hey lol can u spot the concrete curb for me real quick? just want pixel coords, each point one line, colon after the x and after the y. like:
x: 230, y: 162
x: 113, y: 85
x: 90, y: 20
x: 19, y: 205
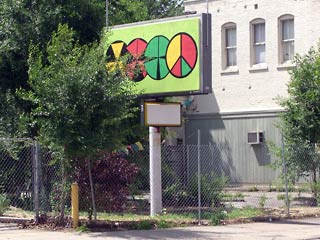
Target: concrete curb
x: 22, y: 221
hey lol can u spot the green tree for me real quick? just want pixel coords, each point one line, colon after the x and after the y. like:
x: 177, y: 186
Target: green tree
x: 301, y: 120
x: 164, y: 8
x: 8, y: 111
x: 22, y: 22
x: 80, y: 105
x: 303, y: 104
x: 27, y: 21
x: 124, y: 11
x: 85, y: 17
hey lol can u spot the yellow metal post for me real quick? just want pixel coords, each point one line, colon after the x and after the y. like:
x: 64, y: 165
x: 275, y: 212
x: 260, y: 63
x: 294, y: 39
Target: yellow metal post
x: 75, y: 204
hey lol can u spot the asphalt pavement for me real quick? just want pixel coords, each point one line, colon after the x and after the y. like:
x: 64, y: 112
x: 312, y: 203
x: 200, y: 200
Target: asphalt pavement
x: 307, y: 229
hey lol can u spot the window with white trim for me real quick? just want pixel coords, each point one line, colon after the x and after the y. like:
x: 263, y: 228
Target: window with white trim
x: 258, y: 41
x: 286, y: 32
x: 229, y: 45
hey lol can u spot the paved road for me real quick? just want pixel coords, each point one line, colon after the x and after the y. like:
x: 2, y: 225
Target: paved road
x: 308, y: 229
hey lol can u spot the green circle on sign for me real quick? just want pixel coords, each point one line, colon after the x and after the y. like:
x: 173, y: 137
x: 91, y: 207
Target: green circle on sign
x: 155, y: 55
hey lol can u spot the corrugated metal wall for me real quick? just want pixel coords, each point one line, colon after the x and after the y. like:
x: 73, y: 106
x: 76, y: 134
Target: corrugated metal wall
x: 240, y: 161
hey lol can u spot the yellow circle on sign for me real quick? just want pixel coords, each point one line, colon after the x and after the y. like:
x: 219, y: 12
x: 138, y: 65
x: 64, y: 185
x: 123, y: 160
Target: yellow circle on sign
x: 174, y: 51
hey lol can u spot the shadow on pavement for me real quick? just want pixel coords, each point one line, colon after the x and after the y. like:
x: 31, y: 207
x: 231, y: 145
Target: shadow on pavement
x: 296, y: 222
x: 159, y: 234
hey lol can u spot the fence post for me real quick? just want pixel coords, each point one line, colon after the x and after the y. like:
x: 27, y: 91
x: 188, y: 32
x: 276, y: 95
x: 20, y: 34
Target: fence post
x: 188, y: 165
x: 93, y: 199
x: 199, y: 180
x: 36, y: 179
x: 285, y: 176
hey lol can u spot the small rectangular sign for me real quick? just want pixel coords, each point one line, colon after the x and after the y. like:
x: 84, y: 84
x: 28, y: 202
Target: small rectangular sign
x: 158, y: 114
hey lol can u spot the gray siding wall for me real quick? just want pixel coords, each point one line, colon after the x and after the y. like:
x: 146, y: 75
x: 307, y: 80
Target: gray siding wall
x: 234, y: 157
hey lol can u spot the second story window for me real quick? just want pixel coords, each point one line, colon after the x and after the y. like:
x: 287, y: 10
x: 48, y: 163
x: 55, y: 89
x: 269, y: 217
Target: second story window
x: 231, y: 46
x: 258, y: 42
x: 286, y: 32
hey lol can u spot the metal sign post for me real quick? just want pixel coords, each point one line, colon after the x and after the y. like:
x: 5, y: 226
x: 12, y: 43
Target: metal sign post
x: 155, y: 171
x: 156, y: 115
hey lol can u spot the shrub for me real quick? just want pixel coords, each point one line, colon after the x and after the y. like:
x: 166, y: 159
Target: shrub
x: 144, y: 225
x: 4, y: 204
x: 56, y: 194
x: 315, y: 187
x: 253, y: 189
x: 111, y: 174
x: 164, y: 224
x: 217, y: 216
x: 284, y: 199
x: 83, y: 229
x: 262, y: 201
x: 211, y: 189
x: 175, y: 195
x: 141, y: 160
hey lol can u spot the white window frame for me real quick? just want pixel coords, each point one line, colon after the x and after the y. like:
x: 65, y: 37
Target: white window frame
x: 225, y: 48
x: 282, y: 41
x: 253, y: 44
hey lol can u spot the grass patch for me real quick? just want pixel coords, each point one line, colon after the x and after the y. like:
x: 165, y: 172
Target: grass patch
x: 19, y: 213
x: 135, y: 221
x: 233, y: 197
x: 262, y: 201
x: 283, y: 197
x: 217, y: 217
x: 253, y: 189
x: 83, y: 228
x: 303, y: 189
x: 171, y: 220
x: 187, y: 217
x: 164, y: 224
x: 118, y: 216
x: 246, y: 212
x: 4, y: 204
x: 136, y: 217
x: 280, y: 187
x: 144, y: 225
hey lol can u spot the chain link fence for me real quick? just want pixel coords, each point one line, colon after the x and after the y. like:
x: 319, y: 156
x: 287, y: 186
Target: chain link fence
x: 53, y: 189
x: 16, y: 175
x: 30, y: 179
x: 194, y: 182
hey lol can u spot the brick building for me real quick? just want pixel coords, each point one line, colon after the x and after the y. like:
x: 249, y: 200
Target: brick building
x: 253, y: 44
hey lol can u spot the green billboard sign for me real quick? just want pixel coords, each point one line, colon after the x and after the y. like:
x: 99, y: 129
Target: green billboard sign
x: 166, y: 57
